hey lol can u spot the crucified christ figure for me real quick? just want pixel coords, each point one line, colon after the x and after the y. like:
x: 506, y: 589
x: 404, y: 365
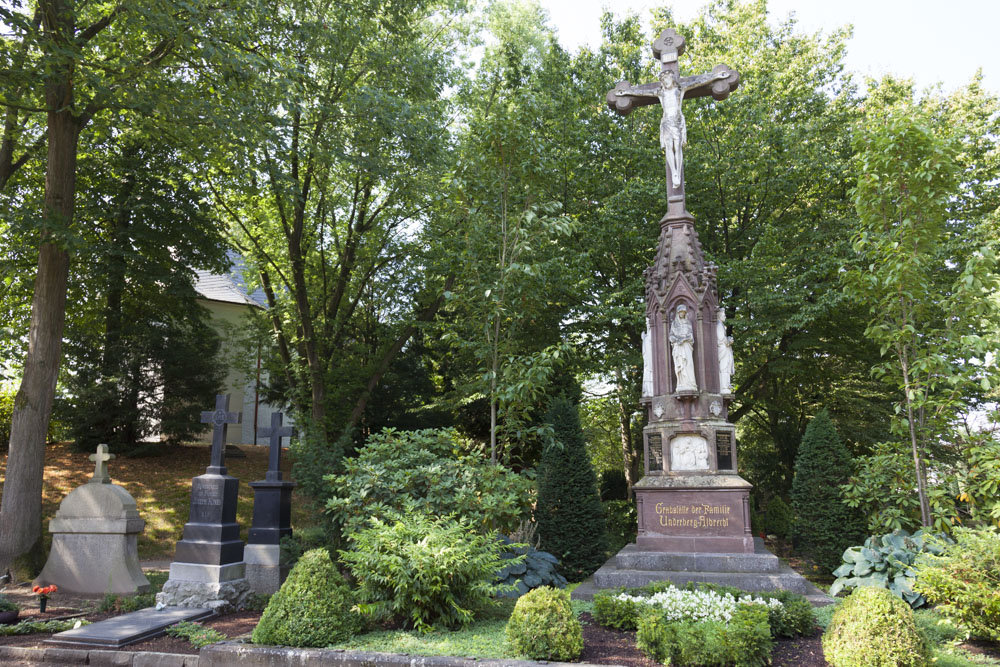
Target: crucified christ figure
x: 673, y: 129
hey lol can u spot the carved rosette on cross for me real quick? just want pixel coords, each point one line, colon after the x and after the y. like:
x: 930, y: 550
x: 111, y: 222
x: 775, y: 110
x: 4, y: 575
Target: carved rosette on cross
x: 687, y: 352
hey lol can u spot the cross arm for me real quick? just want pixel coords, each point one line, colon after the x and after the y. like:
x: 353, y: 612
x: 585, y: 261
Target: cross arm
x: 718, y: 83
x: 624, y: 96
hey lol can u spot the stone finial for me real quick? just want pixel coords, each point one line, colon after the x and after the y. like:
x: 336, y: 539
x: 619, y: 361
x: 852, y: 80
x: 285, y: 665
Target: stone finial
x: 100, y: 460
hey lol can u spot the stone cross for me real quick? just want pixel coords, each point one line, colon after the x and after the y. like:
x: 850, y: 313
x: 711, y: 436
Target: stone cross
x: 219, y: 418
x: 669, y: 91
x: 275, y: 432
x: 100, y: 460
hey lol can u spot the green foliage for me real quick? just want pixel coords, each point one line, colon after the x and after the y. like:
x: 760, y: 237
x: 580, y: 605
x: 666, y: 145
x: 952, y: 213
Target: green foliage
x: 622, y: 522
x: 312, y: 607
x: 302, y: 540
x: 426, y: 470
x: 121, y: 604
x: 6, y: 412
x: 825, y: 614
x: 569, y: 513
x: 423, y: 571
x: 529, y: 569
x: 964, y: 581
x: 873, y: 628
x: 31, y: 627
x: 196, y: 633
x: 8, y: 605
x: 613, y: 485
x: 610, y: 612
x: 778, y: 518
x: 543, y: 626
x: 888, y: 562
x: 824, y: 524
x: 935, y: 626
x: 745, y: 641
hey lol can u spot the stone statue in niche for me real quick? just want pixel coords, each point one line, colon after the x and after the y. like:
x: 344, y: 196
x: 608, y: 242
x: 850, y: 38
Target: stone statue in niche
x: 647, y: 361
x: 689, y: 452
x: 682, y: 350
x: 725, y: 344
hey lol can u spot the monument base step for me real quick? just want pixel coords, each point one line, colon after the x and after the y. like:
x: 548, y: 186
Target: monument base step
x: 761, y: 571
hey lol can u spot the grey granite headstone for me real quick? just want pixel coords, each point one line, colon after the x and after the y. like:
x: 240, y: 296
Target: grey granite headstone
x: 129, y: 628
x: 94, y: 538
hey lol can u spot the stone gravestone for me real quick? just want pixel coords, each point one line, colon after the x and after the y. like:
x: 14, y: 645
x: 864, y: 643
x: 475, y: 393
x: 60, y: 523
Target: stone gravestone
x: 693, y: 507
x: 272, y: 517
x: 94, y: 538
x: 208, y: 568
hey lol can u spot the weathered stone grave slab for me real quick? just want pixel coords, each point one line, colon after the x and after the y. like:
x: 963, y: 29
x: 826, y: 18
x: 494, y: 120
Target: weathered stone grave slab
x: 129, y: 628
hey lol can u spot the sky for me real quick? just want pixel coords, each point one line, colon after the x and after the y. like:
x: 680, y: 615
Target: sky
x: 930, y: 42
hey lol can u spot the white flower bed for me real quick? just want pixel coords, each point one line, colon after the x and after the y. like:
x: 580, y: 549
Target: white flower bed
x: 681, y: 605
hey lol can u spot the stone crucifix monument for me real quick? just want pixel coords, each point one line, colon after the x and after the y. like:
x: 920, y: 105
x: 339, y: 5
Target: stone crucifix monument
x: 693, y: 507
x: 272, y: 517
x: 208, y: 568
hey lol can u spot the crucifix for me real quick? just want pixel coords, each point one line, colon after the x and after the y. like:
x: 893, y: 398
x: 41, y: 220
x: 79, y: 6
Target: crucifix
x: 275, y: 432
x: 100, y: 460
x: 219, y: 418
x: 670, y: 91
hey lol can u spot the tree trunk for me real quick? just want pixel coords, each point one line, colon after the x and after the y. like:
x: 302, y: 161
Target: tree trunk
x: 925, y: 506
x: 21, y: 512
x: 625, y: 433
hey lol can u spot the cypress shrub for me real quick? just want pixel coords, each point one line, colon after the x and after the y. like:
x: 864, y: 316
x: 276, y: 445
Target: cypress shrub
x: 312, y: 607
x: 569, y: 512
x: 824, y: 526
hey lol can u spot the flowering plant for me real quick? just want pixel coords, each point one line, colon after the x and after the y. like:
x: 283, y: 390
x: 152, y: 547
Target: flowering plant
x: 697, y: 605
x: 43, y: 592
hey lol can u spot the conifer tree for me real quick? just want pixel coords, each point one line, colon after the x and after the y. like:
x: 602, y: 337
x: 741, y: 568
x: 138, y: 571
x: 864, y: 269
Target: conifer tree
x: 569, y: 513
x: 824, y: 526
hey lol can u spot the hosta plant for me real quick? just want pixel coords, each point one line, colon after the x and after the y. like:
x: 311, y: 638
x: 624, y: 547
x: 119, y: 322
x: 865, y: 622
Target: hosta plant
x: 526, y: 568
x: 887, y: 561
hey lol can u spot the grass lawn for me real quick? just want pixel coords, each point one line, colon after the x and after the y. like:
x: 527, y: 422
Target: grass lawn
x: 161, y: 486
x: 485, y: 638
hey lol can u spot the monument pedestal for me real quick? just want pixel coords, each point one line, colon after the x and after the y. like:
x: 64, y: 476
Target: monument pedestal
x: 272, y: 520
x: 208, y: 568
x: 694, y: 513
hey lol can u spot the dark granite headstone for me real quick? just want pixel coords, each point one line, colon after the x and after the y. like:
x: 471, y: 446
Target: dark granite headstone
x: 272, y: 516
x: 208, y: 567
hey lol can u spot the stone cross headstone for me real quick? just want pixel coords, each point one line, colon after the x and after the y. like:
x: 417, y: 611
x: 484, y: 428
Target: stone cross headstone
x: 208, y: 568
x: 220, y: 418
x: 272, y: 517
x: 94, y: 538
x: 100, y: 460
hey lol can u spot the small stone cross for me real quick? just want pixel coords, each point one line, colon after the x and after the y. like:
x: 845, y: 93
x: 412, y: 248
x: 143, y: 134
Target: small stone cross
x: 275, y: 432
x: 220, y: 418
x: 100, y: 460
x: 669, y: 91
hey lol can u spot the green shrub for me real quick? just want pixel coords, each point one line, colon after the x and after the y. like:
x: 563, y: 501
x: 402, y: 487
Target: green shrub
x: 824, y: 614
x: 426, y: 469
x: 824, y: 526
x: 888, y: 562
x: 873, y: 628
x: 779, y: 519
x: 613, y: 485
x: 8, y: 605
x: 527, y: 569
x: 424, y: 571
x: 312, y: 607
x: 196, y: 633
x: 622, y: 523
x: 935, y: 627
x: 611, y: 612
x: 745, y: 641
x: 121, y: 604
x: 31, y: 627
x: 964, y: 581
x: 569, y: 513
x: 543, y: 626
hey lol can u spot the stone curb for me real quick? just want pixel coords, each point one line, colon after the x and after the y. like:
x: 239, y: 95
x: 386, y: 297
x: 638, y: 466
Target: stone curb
x: 246, y: 655
x: 105, y: 658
